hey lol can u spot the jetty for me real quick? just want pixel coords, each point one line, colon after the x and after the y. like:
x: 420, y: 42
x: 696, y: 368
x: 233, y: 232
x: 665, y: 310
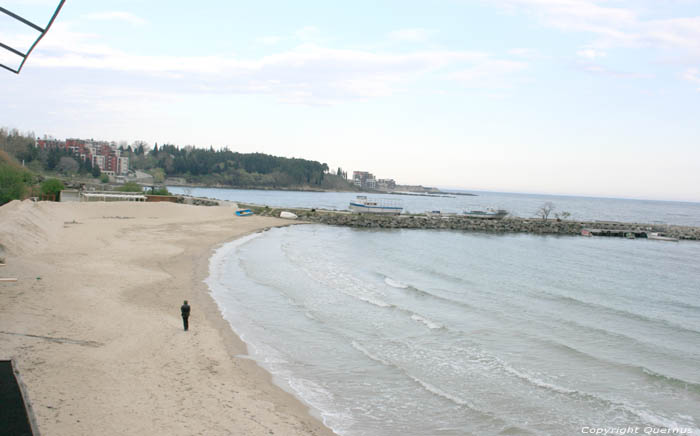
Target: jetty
x: 509, y: 224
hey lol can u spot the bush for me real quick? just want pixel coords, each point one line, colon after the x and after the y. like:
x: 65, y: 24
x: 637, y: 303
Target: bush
x: 161, y: 191
x: 104, y: 178
x: 12, y: 184
x: 52, y: 187
x: 130, y: 187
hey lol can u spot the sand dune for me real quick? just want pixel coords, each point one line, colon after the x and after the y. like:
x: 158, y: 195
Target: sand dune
x: 93, y: 323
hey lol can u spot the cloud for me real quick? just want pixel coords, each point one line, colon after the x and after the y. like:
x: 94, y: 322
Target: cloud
x: 496, y: 73
x: 692, y: 75
x: 269, y: 40
x: 591, y: 53
x: 411, y: 35
x: 614, y: 26
x: 599, y: 69
x: 308, y: 33
x: 527, y: 53
x: 308, y: 73
x: 127, y: 17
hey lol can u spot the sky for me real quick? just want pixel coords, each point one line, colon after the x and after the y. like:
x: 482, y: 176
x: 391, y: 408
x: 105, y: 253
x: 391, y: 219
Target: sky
x: 578, y: 97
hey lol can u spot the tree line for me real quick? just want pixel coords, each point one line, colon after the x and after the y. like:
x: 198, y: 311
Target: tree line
x: 196, y: 165
x: 227, y: 167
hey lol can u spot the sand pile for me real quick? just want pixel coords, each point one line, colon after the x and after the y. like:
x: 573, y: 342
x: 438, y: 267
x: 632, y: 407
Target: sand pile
x: 26, y: 226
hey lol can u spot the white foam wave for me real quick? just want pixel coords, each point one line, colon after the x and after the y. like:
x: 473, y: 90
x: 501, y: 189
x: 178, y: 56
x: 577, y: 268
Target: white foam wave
x: 367, y: 353
x: 395, y: 283
x: 219, y: 260
x: 440, y: 393
x: 660, y: 421
x: 320, y: 398
x: 645, y: 415
x: 427, y: 386
x: 430, y: 324
x: 370, y: 300
x: 535, y: 381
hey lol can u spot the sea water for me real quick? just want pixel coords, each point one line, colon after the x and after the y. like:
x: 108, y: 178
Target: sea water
x: 520, y: 205
x: 424, y: 332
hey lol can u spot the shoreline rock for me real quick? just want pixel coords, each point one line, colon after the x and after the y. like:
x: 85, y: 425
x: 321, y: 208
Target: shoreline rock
x: 455, y: 222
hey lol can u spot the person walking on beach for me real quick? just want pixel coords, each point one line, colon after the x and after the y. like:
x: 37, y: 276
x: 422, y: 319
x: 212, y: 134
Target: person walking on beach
x: 185, y: 310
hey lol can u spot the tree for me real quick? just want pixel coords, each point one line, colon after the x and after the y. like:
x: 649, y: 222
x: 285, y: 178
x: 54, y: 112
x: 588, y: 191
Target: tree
x: 96, y: 172
x: 67, y: 165
x: 545, y: 210
x: 158, y: 175
x: 11, y: 184
x: 52, y: 187
x: 562, y: 215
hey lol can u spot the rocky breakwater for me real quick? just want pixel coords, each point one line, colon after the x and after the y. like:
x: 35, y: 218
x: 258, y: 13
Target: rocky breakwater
x: 457, y: 222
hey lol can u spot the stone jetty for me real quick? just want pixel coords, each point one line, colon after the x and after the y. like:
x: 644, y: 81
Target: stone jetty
x: 457, y: 222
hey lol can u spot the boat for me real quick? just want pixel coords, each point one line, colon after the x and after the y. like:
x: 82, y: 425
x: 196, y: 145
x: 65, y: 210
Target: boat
x: 489, y: 214
x: 659, y: 237
x: 244, y: 212
x: 288, y: 215
x: 362, y: 204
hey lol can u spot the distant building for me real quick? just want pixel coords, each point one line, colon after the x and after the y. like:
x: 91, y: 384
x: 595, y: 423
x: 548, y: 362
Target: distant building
x: 364, y: 179
x: 386, y: 184
x: 106, y: 156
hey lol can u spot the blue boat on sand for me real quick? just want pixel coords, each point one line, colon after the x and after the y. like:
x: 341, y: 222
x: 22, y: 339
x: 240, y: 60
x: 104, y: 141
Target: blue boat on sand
x: 244, y: 212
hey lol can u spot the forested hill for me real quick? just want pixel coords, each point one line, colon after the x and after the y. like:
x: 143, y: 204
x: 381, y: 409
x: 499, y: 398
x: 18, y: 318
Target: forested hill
x: 225, y: 167
x: 195, y: 165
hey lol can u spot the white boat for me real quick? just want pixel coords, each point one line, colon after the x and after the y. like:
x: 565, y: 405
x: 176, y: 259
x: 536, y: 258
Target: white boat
x: 659, y: 237
x: 383, y: 206
x: 487, y: 215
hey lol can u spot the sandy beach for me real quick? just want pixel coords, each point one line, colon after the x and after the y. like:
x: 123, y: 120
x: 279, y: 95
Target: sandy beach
x: 93, y: 323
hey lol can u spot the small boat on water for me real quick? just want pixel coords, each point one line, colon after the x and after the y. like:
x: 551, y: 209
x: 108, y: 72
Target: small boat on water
x: 244, y: 212
x: 487, y: 215
x: 659, y: 237
x: 383, y: 206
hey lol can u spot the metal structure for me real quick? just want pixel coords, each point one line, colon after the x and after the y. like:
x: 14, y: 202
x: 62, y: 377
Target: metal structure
x: 24, y: 56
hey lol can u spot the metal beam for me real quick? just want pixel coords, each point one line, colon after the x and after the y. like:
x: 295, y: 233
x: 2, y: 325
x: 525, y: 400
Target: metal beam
x: 34, y: 26
x: 17, y: 17
x: 17, y: 52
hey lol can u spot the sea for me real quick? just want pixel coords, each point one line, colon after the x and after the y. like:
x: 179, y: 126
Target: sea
x: 427, y: 332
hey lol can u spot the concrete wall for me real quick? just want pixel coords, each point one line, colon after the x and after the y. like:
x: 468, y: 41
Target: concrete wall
x: 70, y: 195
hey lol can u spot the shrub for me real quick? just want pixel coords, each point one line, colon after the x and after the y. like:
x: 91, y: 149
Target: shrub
x: 130, y: 187
x: 12, y: 184
x: 161, y: 191
x: 52, y: 187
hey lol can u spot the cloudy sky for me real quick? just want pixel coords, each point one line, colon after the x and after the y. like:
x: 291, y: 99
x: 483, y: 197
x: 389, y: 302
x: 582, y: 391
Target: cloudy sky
x: 582, y: 97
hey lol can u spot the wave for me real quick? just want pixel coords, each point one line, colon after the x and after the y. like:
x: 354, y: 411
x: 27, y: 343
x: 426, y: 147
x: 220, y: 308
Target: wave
x: 395, y: 283
x: 425, y: 385
x: 320, y: 398
x: 440, y: 393
x: 408, y: 288
x: 638, y: 369
x: 654, y: 347
x: 669, y: 379
x: 431, y: 325
x: 645, y: 415
x: 617, y: 312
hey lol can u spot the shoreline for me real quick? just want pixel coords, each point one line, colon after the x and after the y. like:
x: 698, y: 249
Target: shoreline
x: 93, y: 323
x: 236, y: 346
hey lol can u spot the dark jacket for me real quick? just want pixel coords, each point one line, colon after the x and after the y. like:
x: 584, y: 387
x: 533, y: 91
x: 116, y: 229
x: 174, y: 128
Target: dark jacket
x: 185, y: 309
